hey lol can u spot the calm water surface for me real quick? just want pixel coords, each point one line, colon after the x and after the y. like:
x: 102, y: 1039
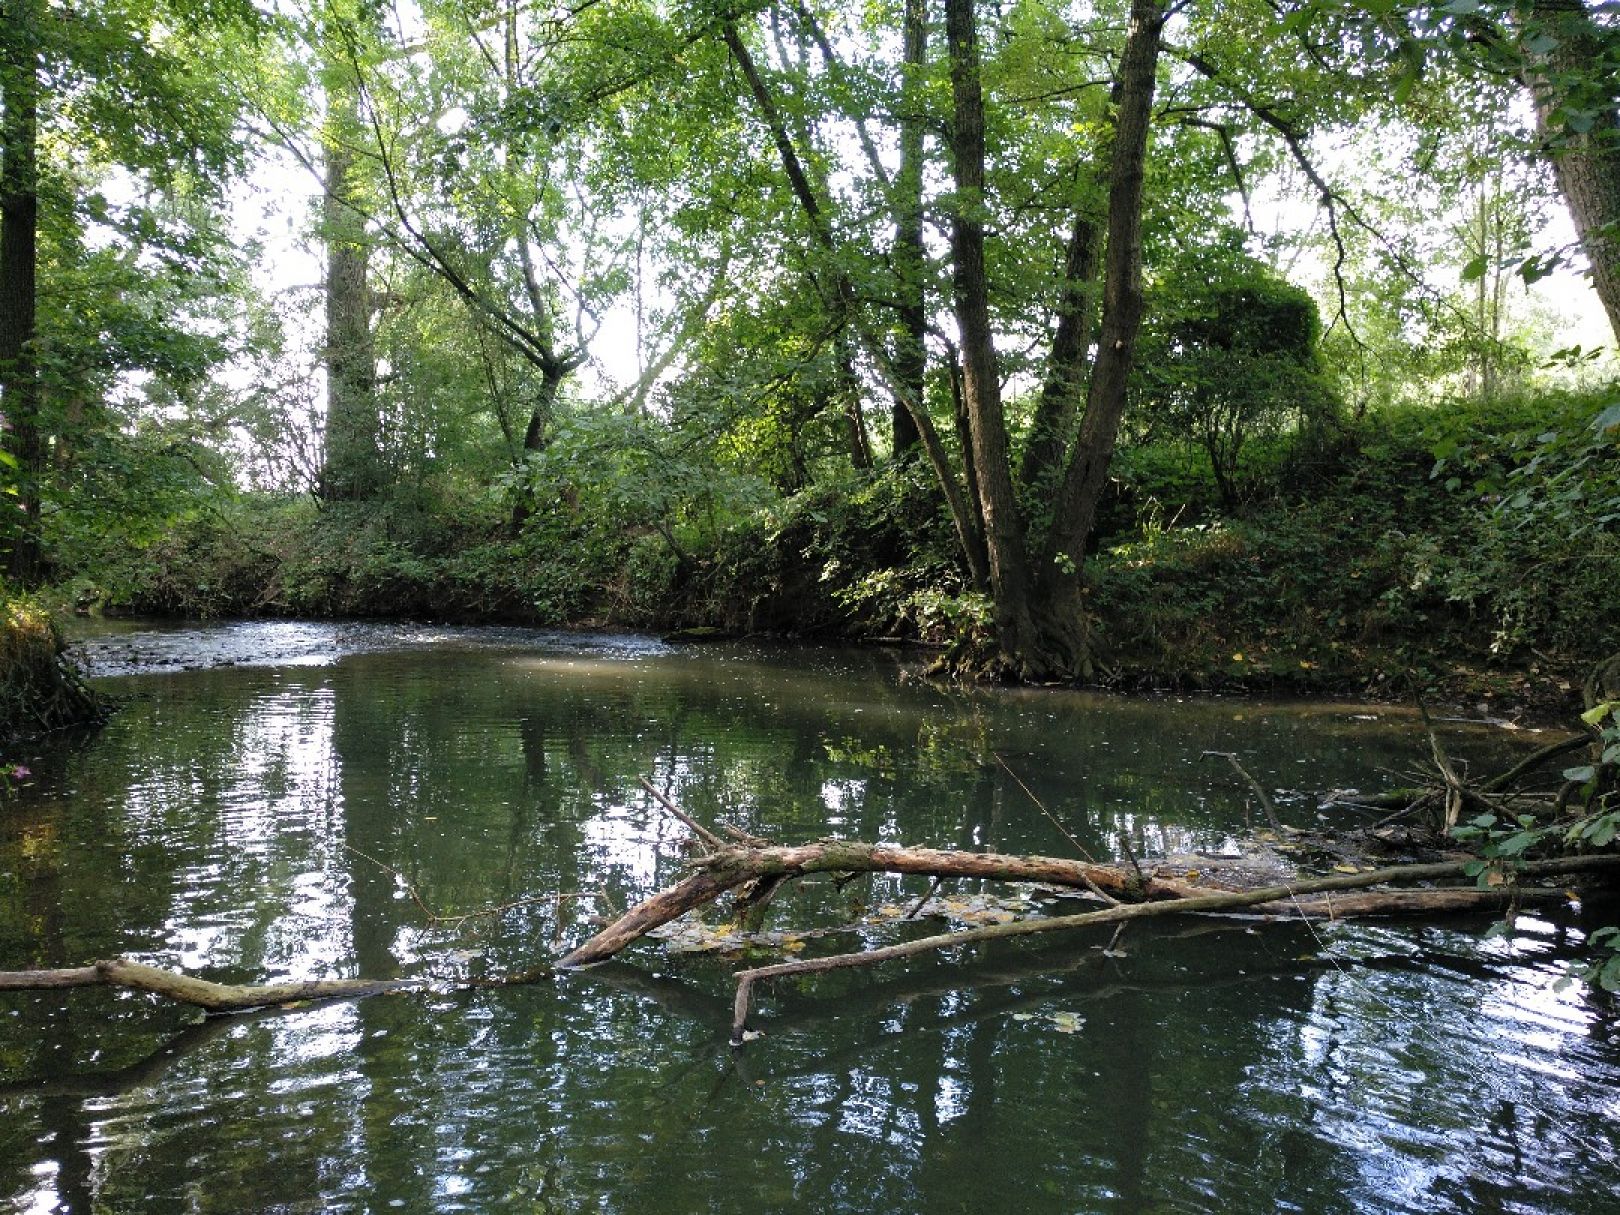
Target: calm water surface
x: 272, y: 817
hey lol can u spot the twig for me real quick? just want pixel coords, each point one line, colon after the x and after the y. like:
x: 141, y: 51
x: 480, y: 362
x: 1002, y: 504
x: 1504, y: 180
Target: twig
x: 1266, y: 803
x: 714, y: 842
x: 920, y: 903
x: 410, y: 889
x: 450, y: 919
x: 1442, y: 761
x: 1552, y: 751
x: 1062, y: 830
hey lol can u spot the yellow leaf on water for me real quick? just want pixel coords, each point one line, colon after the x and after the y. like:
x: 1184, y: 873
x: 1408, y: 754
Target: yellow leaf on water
x: 1345, y: 869
x: 792, y: 946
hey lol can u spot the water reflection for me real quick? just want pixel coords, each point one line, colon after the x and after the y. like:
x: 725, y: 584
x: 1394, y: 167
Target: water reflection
x: 274, y: 820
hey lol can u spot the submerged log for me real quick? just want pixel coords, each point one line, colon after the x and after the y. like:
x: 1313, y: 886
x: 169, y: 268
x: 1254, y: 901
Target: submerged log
x: 212, y: 997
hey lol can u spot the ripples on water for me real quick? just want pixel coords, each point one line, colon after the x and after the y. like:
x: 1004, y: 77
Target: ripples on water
x: 280, y: 816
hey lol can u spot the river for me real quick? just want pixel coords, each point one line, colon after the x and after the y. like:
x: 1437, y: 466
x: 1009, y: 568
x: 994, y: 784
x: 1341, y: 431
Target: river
x: 300, y: 800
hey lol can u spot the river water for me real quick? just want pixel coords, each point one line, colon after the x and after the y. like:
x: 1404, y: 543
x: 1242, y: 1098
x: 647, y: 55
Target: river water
x: 290, y: 799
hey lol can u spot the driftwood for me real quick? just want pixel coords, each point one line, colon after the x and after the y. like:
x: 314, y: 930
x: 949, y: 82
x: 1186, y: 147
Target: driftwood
x: 731, y: 867
x: 212, y: 997
x: 1282, y: 898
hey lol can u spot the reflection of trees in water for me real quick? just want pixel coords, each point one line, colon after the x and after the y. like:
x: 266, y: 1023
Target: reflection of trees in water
x: 482, y: 779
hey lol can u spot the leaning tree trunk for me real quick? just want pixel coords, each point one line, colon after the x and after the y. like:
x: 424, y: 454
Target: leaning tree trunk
x: 19, y: 258
x: 1586, y: 164
x: 1066, y: 650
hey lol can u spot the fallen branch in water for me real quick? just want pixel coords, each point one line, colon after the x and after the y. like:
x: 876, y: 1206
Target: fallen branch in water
x: 729, y: 868
x: 213, y: 997
x: 1281, y: 897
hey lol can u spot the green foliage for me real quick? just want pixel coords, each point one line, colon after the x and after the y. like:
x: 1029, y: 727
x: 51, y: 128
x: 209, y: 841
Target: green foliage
x: 1230, y: 358
x: 1401, y: 545
x: 1585, y: 818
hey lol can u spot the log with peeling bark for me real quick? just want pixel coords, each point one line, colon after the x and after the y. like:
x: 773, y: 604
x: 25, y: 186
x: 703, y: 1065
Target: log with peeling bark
x: 728, y: 868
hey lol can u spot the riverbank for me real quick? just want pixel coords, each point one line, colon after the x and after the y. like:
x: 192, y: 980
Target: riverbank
x: 1469, y: 552
x: 38, y: 690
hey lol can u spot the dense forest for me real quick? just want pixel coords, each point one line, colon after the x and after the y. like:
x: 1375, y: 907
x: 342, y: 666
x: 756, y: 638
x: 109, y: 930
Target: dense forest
x: 1219, y: 341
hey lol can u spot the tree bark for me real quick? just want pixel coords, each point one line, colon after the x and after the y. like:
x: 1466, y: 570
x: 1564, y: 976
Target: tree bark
x: 731, y: 867
x: 1004, y: 534
x: 1586, y: 164
x: 1122, y: 292
x: 910, y: 254
x: 19, y: 258
x: 353, y: 464
x: 1064, y: 382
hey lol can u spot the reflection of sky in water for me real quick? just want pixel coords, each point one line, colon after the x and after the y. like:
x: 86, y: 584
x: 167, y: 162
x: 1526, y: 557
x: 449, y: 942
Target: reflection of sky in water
x: 218, y: 822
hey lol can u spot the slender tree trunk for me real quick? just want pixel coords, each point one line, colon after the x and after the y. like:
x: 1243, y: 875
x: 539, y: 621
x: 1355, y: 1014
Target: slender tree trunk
x: 910, y: 353
x: 552, y: 376
x: 1064, y: 384
x: 1586, y: 165
x: 1087, y: 471
x: 19, y: 258
x: 353, y: 467
x: 981, y: 384
x: 842, y: 297
x: 849, y: 391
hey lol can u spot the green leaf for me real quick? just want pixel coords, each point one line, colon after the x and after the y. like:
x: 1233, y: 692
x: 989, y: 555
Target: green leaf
x: 1583, y: 773
x: 1598, y: 712
x: 1515, y: 844
x: 1475, y: 269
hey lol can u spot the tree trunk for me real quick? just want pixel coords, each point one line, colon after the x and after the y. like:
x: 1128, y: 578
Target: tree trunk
x: 1586, y: 164
x: 19, y: 257
x: 353, y: 466
x: 981, y: 384
x: 1035, y: 586
x: 552, y: 376
x: 910, y: 254
x: 1064, y: 384
x: 1062, y: 557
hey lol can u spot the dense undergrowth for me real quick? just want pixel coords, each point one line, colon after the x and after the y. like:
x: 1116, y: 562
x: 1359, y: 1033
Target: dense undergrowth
x: 1481, y: 539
